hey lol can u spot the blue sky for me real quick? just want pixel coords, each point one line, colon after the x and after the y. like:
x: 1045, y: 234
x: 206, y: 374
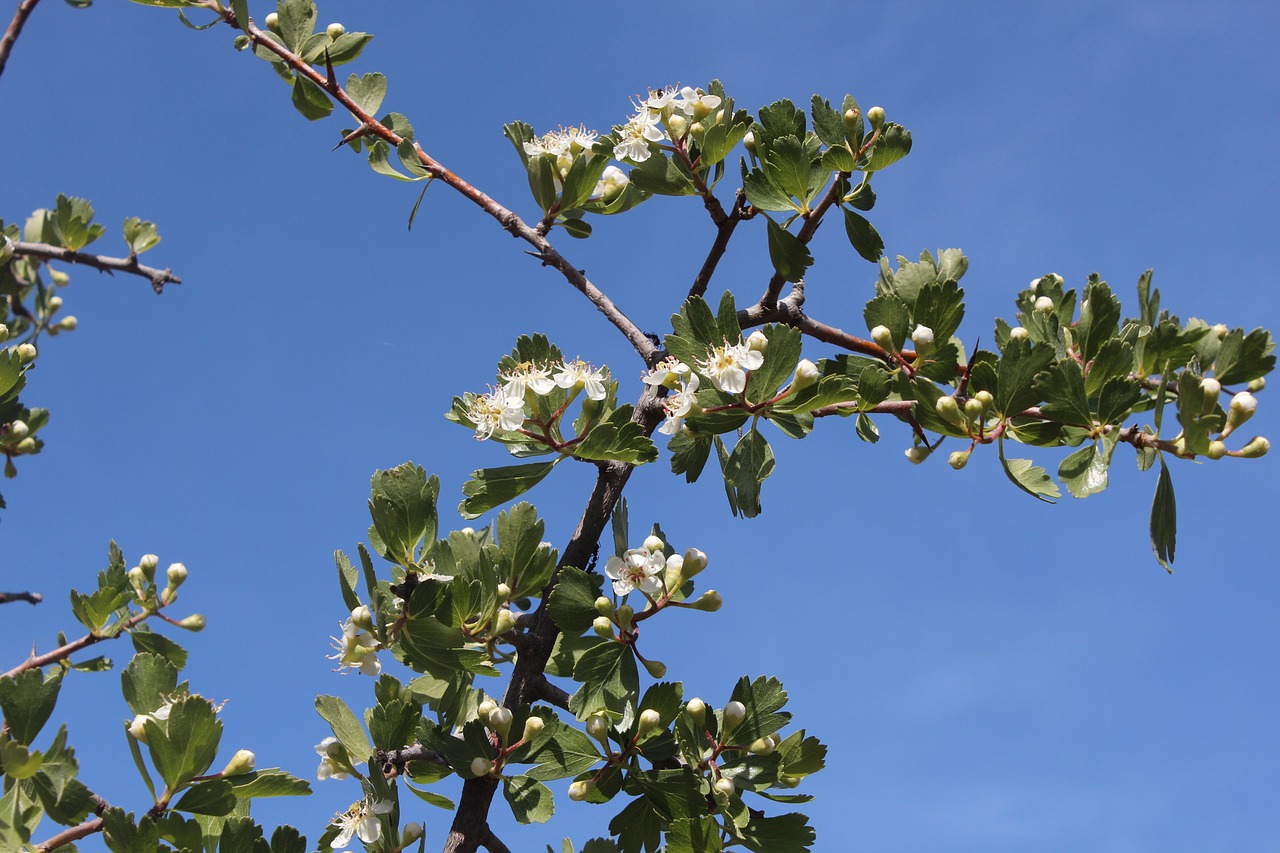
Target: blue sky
x: 990, y: 673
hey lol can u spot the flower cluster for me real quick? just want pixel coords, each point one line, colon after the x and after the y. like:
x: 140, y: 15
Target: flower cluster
x: 567, y: 145
x: 503, y: 408
x: 648, y: 569
x: 664, y: 113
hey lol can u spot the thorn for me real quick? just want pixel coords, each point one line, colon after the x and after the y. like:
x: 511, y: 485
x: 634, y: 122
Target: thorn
x: 332, y: 80
x: 360, y: 131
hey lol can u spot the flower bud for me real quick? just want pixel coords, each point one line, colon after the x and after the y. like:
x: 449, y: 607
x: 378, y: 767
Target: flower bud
x: 696, y: 709
x: 673, y: 577
x: 68, y: 323
x: 677, y: 126
x: 27, y: 445
x: 1044, y: 305
x: 580, y: 790
x: 875, y: 117
x: 1220, y: 330
x: 335, y: 30
x: 362, y: 617
x: 1254, y: 385
x: 273, y: 22
x: 603, y: 626
x: 410, y: 833
x: 973, y: 408
x: 985, y: 398
x: 500, y: 722
x: 958, y: 459
x: 694, y: 562
x: 625, y: 614
x: 503, y: 622
x: 194, y: 622
x: 533, y: 727
x: 481, y: 766
x: 503, y: 592
x: 653, y: 543
x: 764, y: 745
x: 604, y: 606
x: 1217, y: 450
x: 54, y: 303
x: 137, y: 728
x: 138, y: 579
x: 484, y: 709
x: 655, y: 668
x: 468, y: 531
x: 149, y: 562
x: 26, y: 353
x: 19, y: 430
x: 949, y: 410
x: 168, y: 595
x: 709, y: 602
x: 177, y: 574
x: 598, y: 727
x: 4, y: 333
x: 807, y: 373
x: 883, y: 337
x: 1018, y: 333
x: 749, y: 142
x: 1257, y: 446
x: 917, y: 454
x: 725, y: 787
x: 734, y: 713
x: 1243, y: 405
x: 1210, y: 388
x: 649, y: 720
x: 242, y: 762
x: 757, y: 341
x: 922, y: 337
x: 851, y: 118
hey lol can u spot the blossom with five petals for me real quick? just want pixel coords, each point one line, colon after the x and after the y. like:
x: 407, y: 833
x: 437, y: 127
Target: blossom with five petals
x: 667, y: 372
x: 578, y: 373
x: 697, y: 104
x: 636, y: 135
x: 361, y: 820
x: 727, y: 365
x: 526, y: 376
x: 358, y: 649
x: 495, y: 410
x: 639, y: 568
x: 678, y: 405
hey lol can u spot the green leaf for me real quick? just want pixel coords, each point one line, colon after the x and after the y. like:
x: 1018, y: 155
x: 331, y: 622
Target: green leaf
x: 346, y: 48
x: 269, y: 782
x: 146, y: 681
x: 139, y: 235
x: 762, y: 194
x: 764, y: 698
x: 749, y: 465
x: 1029, y: 477
x: 1099, y: 318
x: 530, y: 800
x: 158, y: 644
x: 1241, y: 358
x: 1164, y: 520
x: 617, y: 438
x: 694, y: 835
x: 403, y: 507
x: 346, y: 727
x: 1016, y: 374
x: 788, y: 833
x: 572, y: 604
x: 790, y: 257
x: 894, y: 144
x: 569, y: 752
x: 660, y: 176
x: 367, y: 91
x: 689, y: 451
x: 1084, y: 472
x: 891, y: 312
x: 827, y: 123
x: 185, y: 745
x: 609, y: 680
x: 786, y: 165
x: 287, y: 839
x: 72, y: 223
x: 1062, y: 387
x: 310, y: 100
x: 1118, y: 397
x: 27, y: 700
x: 211, y: 797
x: 297, y: 21
x: 863, y: 236
x: 492, y: 487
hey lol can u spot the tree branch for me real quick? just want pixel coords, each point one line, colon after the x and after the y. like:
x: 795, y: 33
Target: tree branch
x: 159, y: 278
x: 75, y: 833
x: 396, y: 759
x: 25, y: 8
x: 29, y: 597
x: 494, y: 844
x: 811, y: 222
x: 65, y: 651
x: 725, y: 225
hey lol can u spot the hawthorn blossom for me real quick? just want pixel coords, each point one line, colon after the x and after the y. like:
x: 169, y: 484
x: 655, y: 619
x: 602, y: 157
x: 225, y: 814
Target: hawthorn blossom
x: 637, y: 569
x: 667, y: 372
x: 659, y: 99
x: 636, y: 135
x: 329, y: 768
x: 727, y: 365
x: 358, y: 649
x: 526, y: 376
x: 578, y: 373
x: 695, y: 103
x: 495, y: 410
x: 566, y: 140
x: 678, y: 405
x: 361, y: 820
x: 611, y: 183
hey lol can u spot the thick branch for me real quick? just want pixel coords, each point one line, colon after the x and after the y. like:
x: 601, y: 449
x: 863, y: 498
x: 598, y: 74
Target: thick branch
x: 25, y: 8
x: 159, y: 278
x: 29, y: 597
x: 75, y: 833
x: 494, y: 844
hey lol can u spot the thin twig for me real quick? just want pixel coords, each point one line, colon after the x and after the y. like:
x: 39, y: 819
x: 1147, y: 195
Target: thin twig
x: 65, y: 651
x: 811, y: 222
x: 725, y: 225
x: 25, y: 8
x: 82, y: 830
x: 159, y: 278
x: 29, y: 597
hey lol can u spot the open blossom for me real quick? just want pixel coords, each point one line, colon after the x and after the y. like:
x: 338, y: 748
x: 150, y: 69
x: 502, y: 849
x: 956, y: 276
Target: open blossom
x: 580, y: 373
x: 639, y: 569
x: 358, y: 649
x: 727, y: 365
x: 361, y: 820
x: 667, y: 372
x: 526, y: 376
x: 636, y: 135
x: 678, y: 405
x: 329, y: 768
x: 695, y: 103
x: 566, y: 140
x: 495, y: 410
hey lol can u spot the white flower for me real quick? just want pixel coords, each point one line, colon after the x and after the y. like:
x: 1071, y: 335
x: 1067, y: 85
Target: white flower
x: 495, y: 410
x: 679, y: 405
x: 361, y: 820
x: 636, y: 135
x: 526, y: 376
x: 570, y: 140
x: 612, y: 182
x: 667, y: 372
x: 578, y: 373
x: 637, y: 569
x: 659, y: 99
x: 726, y: 366
x: 358, y: 649
x: 696, y: 103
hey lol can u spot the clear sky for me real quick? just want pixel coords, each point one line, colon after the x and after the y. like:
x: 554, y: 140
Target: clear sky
x: 990, y: 673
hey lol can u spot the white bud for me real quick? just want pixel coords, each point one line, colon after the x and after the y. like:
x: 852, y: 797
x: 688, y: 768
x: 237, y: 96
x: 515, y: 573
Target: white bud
x: 242, y: 762
x: 68, y: 323
x: 764, y: 745
x: 503, y: 592
x: 916, y: 455
x: 410, y: 833
x: 604, y: 606
x: 958, y: 459
x: 734, y: 713
x: 580, y: 790
x: 598, y: 727
x: 677, y: 125
x: 485, y: 708
x: 4, y: 333
x: 725, y: 786
x: 948, y: 409
x: 26, y: 353
x: 973, y: 407
x: 468, y: 531
x: 673, y: 576
x: 177, y: 573
x: 362, y: 617
x: 1220, y: 331
x: 1211, y: 388
x: 137, y: 728
x: 922, y: 337
x: 55, y: 302
x: 649, y: 720
x: 503, y: 622
x: 875, y: 117
x: 1257, y: 446
x: 533, y: 727
x: 27, y: 445
x: 757, y: 341
x: 481, y: 766
x: 694, y: 562
x: 697, y: 709
x: 194, y: 622
x: 709, y: 602
x: 653, y: 543
x: 1044, y: 305
x: 1217, y: 450
x: 335, y: 30
x: 19, y: 430
x: 883, y: 337
x: 500, y: 721
x: 603, y: 626
x: 149, y: 562
x: 1243, y: 405
x: 273, y: 22
x: 749, y: 142
x: 1018, y: 333
x: 137, y: 579
x: 807, y: 373
x: 655, y: 668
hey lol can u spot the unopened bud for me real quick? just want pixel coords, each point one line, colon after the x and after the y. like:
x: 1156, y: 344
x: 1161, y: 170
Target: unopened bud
x: 649, y: 720
x: 734, y: 713
x: 1220, y: 331
x: 697, y: 709
x: 598, y: 727
x: 503, y: 622
x: 1257, y: 446
x: 4, y: 333
x: 362, y: 617
x: 54, y: 303
x: 410, y: 833
x: 1217, y: 450
x: 273, y: 22
x: 484, y: 709
x: 883, y: 337
x: 26, y: 353
x: 168, y: 595
x: 481, y: 766
x: 916, y: 455
x: 149, y: 563
x: 625, y: 614
x: 194, y: 622
x: 137, y: 728
x: 1243, y: 405
x: 503, y: 592
x: 653, y: 543
x: 1018, y: 333
x: 673, y: 577
x: 709, y: 602
x: 958, y: 459
x: 764, y: 745
x: 851, y: 117
x: 27, y: 445
x: 177, y: 574
x: 604, y: 606
x: 922, y: 337
x: 749, y: 142
x: 655, y: 668
x: 1044, y: 305
x: 580, y: 790
x: 677, y: 126
x: 468, y: 531
x: 807, y: 373
x: 533, y: 727
x: 603, y: 626
x: 985, y: 398
x: 137, y: 579
x: 500, y: 722
x: 335, y: 30
x: 757, y: 341
x: 68, y: 323
x: 973, y: 408
x: 1258, y: 384
x: 1211, y: 388
x: 19, y: 430
x: 875, y: 117
x: 697, y: 130
x: 725, y: 787
x: 694, y: 562
x: 949, y: 410
x: 242, y: 762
